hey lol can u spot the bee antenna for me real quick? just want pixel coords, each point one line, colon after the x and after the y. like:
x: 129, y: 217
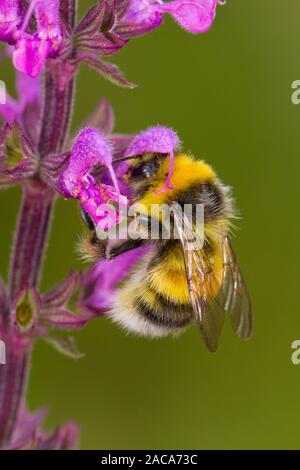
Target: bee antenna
x: 124, y: 159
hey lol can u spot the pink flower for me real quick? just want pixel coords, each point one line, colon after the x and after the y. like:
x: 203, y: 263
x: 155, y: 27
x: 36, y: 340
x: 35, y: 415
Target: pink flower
x: 28, y: 91
x: 91, y: 147
x: 32, y: 48
x: 10, y: 19
x: 196, y: 16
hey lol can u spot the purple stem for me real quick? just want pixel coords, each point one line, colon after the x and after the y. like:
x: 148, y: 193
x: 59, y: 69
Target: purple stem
x: 57, y: 115
x: 31, y: 236
x: 13, y: 380
x: 58, y: 98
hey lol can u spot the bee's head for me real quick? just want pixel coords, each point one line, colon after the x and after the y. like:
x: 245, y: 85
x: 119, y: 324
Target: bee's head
x: 144, y: 167
x: 89, y: 247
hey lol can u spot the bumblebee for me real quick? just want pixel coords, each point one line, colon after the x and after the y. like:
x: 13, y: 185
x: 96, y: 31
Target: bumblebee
x: 173, y: 286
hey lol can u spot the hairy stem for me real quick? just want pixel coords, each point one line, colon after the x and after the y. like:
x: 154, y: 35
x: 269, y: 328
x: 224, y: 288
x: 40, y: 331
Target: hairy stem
x: 57, y: 113
x: 13, y: 380
x: 31, y: 235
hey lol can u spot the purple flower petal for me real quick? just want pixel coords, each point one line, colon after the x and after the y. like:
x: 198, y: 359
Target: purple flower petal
x: 90, y: 148
x: 30, y: 55
x: 10, y: 19
x: 144, y: 12
x: 196, y: 16
x: 100, y: 282
x: 48, y: 17
x: 156, y: 139
x: 28, y: 90
x: 31, y: 50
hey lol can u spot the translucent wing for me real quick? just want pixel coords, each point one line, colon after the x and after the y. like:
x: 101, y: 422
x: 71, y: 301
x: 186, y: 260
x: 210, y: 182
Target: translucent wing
x: 233, y: 295
x: 202, y: 282
x: 213, y: 291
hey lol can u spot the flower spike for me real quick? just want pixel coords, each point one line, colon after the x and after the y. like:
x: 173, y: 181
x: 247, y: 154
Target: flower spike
x: 156, y: 139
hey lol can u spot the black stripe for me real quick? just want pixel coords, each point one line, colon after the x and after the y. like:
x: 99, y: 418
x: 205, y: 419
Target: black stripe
x: 168, y: 313
x: 208, y: 194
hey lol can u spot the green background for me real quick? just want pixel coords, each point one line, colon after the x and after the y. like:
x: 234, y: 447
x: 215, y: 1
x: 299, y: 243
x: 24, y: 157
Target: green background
x: 228, y: 95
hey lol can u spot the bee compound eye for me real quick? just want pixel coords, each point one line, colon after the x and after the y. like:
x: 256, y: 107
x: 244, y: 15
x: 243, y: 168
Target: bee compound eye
x: 145, y: 169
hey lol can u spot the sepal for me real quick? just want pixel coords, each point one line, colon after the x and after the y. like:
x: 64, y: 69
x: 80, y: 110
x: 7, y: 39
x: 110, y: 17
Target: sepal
x: 64, y: 345
x: 17, y: 158
x: 62, y: 319
x: 99, y: 44
x: 61, y: 294
x: 120, y: 143
x: 92, y: 21
x: 127, y: 30
x: 102, y: 118
x: 51, y: 169
x: 58, y: 305
x: 121, y: 6
x: 27, y: 434
x: 94, y: 37
x: 109, y: 71
x: 64, y: 438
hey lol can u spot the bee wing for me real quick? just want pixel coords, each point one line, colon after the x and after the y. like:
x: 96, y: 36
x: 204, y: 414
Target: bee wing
x: 209, y: 315
x: 233, y: 295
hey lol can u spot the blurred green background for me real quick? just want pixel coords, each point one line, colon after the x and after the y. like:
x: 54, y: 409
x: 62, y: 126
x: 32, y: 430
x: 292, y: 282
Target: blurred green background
x: 228, y: 94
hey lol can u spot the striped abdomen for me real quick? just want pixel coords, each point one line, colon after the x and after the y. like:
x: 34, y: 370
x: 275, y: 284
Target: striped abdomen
x: 154, y: 300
